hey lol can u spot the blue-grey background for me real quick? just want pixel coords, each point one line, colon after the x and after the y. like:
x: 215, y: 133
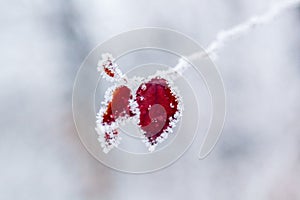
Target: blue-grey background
x: 42, y: 47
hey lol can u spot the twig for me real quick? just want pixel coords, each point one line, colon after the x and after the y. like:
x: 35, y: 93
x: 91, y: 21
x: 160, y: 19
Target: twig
x: 226, y: 35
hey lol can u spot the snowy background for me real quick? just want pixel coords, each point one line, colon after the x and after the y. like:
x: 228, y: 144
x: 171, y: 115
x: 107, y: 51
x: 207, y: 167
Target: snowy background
x: 42, y: 47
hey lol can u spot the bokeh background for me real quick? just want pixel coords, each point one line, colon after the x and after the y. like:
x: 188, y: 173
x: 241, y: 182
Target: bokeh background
x: 42, y: 47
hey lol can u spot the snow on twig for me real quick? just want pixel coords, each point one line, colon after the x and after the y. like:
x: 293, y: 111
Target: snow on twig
x: 226, y: 35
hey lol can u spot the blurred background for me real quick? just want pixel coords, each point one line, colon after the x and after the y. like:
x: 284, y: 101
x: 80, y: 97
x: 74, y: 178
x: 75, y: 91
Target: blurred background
x: 42, y: 47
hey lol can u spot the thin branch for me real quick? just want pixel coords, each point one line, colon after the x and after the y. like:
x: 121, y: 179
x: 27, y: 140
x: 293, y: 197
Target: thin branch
x: 226, y: 35
x: 235, y: 32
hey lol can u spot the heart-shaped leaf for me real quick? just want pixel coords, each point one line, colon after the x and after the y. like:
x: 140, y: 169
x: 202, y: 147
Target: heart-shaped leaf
x: 159, y: 112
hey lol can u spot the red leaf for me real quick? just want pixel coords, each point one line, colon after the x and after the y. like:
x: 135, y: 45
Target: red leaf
x: 157, y: 105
